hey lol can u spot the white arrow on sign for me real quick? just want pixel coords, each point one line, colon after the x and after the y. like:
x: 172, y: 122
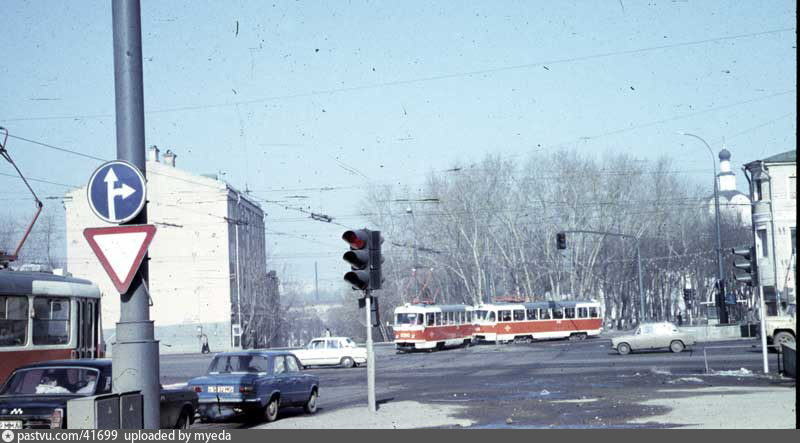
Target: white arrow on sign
x: 125, y: 191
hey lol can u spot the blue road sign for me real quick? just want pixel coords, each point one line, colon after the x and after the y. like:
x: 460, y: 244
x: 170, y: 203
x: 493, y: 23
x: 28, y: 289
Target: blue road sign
x: 116, y: 191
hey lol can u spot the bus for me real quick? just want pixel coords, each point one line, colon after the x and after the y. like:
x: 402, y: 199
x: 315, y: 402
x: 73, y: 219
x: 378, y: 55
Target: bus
x: 44, y: 316
x: 505, y: 322
x: 429, y: 326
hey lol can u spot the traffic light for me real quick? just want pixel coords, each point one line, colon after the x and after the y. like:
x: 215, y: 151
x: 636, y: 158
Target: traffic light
x: 744, y: 260
x: 688, y: 297
x: 561, y: 240
x: 364, y: 257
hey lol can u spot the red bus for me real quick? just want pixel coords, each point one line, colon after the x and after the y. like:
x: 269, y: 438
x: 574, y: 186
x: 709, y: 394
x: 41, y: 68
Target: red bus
x: 428, y: 326
x: 44, y: 316
x: 506, y: 322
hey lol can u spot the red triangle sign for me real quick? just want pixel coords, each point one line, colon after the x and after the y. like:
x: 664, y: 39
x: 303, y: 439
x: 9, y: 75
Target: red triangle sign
x: 120, y: 250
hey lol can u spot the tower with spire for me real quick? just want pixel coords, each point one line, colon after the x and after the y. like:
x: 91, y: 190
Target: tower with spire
x: 732, y: 202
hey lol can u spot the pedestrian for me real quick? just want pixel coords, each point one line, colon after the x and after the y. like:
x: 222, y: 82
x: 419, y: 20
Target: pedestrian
x: 327, y: 332
x: 204, y: 344
x: 680, y: 319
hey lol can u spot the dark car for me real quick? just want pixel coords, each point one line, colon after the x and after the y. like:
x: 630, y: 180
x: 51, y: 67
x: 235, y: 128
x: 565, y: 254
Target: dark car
x: 35, y: 396
x: 254, y: 385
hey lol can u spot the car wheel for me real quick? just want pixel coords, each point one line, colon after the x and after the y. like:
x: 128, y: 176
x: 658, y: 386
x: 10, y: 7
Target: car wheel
x: 676, y: 346
x: 624, y: 348
x: 184, y: 421
x: 780, y: 338
x: 348, y: 362
x: 271, y: 411
x: 311, y: 405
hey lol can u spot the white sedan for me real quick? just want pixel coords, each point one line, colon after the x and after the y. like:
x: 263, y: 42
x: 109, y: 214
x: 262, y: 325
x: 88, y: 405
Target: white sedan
x: 331, y: 351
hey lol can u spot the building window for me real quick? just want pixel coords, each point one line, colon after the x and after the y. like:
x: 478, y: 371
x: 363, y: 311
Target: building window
x: 762, y: 240
x: 793, y: 187
x: 793, y: 231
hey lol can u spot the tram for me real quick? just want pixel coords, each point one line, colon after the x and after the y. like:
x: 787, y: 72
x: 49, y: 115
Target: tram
x: 504, y: 322
x: 44, y: 316
x: 429, y: 326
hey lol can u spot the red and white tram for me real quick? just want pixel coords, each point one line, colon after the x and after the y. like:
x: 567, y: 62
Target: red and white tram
x: 505, y: 322
x: 45, y: 317
x: 429, y: 326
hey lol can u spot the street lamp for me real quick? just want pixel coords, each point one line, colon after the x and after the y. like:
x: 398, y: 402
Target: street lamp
x: 723, y: 314
x: 414, y: 249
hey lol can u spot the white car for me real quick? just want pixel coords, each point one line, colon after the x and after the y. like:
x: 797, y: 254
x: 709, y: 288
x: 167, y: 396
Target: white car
x: 332, y: 351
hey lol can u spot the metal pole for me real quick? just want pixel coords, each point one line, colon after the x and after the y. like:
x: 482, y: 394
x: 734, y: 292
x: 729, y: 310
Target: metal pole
x: 370, y: 356
x: 720, y: 301
x: 414, y: 251
x: 135, y: 354
x: 238, y: 289
x: 763, y: 328
x: 641, y: 286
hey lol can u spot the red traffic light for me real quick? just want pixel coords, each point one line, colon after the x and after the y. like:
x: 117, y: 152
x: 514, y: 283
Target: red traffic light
x: 357, y: 239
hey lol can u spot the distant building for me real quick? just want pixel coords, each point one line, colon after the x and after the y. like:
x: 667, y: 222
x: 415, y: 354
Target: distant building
x: 773, y: 189
x: 207, y: 259
x: 732, y: 203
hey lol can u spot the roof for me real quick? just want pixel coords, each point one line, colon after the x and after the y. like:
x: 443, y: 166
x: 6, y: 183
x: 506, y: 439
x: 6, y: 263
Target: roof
x: 96, y: 363
x: 19, y: 283
x: 253, y: 352
x: 784, y: 157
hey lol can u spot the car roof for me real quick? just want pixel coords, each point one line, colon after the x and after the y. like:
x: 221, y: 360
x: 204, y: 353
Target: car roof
x: 265, y: 352
x: 96, y: 363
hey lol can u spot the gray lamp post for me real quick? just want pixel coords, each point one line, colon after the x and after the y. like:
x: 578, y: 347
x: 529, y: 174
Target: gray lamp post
x: 723, y: 313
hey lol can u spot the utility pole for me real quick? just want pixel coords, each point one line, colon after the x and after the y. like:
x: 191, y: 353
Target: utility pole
x: 135, y: 354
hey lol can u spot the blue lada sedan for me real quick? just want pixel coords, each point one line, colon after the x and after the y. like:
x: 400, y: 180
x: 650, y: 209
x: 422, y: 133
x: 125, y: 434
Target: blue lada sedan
x: 254, y: 385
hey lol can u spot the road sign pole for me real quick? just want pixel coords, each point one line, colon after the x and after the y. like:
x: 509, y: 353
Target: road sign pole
x: 370, y: 355
x: 135, y: 354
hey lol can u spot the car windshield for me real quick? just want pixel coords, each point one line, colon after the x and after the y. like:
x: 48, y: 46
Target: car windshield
x: 52, y: 381
x: 227, y: 364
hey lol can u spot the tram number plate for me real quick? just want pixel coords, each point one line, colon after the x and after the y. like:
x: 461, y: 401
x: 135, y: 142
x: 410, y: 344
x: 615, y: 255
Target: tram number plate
x: 10, y: 424
x: 405, y: 335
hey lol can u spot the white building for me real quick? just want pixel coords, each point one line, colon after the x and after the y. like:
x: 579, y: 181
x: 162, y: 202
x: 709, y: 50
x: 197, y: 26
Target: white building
x: 732, y: 203
x: 773, y: 188
x: 207, y: 258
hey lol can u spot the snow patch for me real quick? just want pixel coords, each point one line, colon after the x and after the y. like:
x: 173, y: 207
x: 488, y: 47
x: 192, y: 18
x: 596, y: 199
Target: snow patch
x: 743, y: 372
x: 686, y: 380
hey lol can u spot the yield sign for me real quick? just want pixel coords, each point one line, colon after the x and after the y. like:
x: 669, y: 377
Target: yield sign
x: 120, y: 250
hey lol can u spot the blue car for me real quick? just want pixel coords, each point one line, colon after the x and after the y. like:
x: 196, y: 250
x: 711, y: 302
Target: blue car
x: 254, y: 385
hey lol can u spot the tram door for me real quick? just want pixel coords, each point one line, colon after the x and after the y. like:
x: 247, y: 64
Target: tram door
x: 87, y: 328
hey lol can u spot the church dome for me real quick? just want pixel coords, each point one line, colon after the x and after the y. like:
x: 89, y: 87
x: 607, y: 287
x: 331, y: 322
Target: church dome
x: 724, y: 155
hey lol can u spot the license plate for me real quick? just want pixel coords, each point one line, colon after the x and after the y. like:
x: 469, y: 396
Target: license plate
x: 221, y: 389
x: 10, y: 424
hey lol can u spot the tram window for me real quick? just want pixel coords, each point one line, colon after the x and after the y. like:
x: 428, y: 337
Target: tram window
x: 429, y: 319
x: 569, y: 312
x: 491, y: 316
x: 460, y: 319
x: 583, y: 312
x: 13, y: 320
x: 469, y: 316
x: 450, y: 318
x: 438, y: 319
x: 533, y: 314
x: 558, y: 313
x: 593, y: 312
x: 519, y: 315
x: 50, y: 321
x: 544, y: 314
x: 504, y: 315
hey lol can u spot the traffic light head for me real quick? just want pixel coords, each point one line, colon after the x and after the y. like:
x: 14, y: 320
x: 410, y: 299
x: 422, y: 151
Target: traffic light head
x: 364, y: 257
x: 561, y: 240
x: 745, y: 269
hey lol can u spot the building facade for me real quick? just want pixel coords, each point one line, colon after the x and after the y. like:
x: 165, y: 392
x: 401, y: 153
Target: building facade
x: 207, y: 259
x: 773, y: 190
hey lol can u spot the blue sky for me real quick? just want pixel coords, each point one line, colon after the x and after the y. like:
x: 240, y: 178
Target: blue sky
x: 284, y: 97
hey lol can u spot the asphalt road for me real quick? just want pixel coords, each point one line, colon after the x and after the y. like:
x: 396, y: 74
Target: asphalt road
x: 556, y: 383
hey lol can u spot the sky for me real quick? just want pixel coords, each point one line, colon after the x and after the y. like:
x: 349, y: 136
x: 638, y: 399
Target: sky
x: 307, y: 104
